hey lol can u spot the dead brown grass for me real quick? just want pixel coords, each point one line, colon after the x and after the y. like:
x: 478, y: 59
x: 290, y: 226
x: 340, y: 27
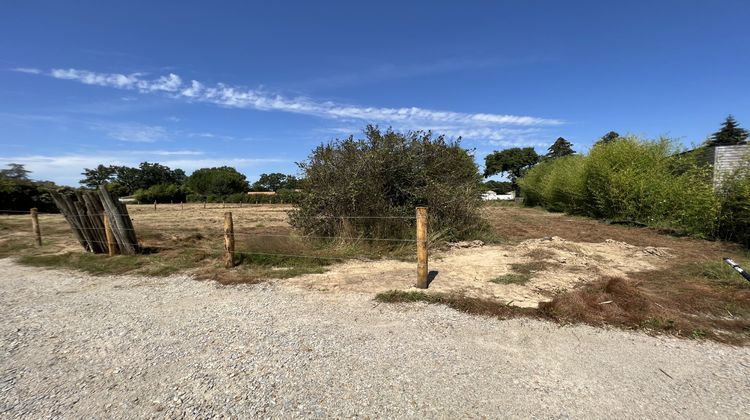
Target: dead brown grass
x: 694, y: 296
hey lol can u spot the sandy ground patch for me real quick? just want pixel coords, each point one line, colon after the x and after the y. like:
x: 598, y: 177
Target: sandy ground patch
x: 469, y: 271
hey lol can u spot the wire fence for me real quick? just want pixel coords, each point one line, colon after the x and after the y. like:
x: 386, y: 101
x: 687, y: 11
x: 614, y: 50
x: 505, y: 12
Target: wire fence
x: 242, y: 233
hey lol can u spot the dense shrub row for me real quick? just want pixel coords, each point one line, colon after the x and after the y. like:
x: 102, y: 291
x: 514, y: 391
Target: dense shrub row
x: 285, y: 196
x: 644, y: 182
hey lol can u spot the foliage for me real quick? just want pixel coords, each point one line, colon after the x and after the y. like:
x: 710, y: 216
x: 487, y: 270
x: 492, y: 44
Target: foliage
x: 514, y: 162
x: 275, y: 181
x: 734, y: 206
x: 15, y: 171
x: 101, y: 175
x: 19, y: 193
x: 352, y: 187
x: 217, y: 181
x: 608, y: 138
x: 560, y: 148
x: 129, y: 179
x: 500, y: 187
x: 645, y: 182
x: 162, y: 193
x: 729, y: 134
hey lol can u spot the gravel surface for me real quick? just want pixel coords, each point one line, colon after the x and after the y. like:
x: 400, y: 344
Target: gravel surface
x: 73, y: 346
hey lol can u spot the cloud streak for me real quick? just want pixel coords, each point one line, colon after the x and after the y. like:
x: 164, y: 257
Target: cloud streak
x: 240, y: 97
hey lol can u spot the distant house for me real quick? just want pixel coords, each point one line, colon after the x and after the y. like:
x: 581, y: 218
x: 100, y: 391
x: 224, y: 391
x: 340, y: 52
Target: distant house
x: 724, y: 159
x: 261, y: 193
x: 493, y: 196
x: 128, y: 200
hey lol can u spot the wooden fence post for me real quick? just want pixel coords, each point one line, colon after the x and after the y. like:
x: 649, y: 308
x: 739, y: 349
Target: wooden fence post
x: 154, y: 204
x: 228, y: 240
x: 111, y: 243
x: 422, y: 247
x: 35, y: 227
x: 182, y: 206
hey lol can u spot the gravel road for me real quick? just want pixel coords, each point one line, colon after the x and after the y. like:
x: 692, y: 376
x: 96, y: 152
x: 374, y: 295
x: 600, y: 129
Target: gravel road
x: 73, y: 345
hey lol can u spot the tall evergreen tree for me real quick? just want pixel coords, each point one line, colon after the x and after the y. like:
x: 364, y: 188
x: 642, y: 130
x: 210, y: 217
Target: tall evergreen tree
x: 608, y: 138
x: 560, y: 148
x: 730, y: 134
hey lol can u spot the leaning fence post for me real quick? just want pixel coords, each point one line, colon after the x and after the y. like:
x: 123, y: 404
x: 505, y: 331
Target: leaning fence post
x: 422, y: 247
x: 35, y: 226
x: 228, y: 240
x: 111, y: 244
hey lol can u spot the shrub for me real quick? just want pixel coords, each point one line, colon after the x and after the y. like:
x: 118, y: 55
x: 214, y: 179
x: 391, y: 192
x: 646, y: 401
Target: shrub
x: 219, y: 181
x: 161, y: 193
x: 388, y: 174
x: 22, y: 195
x: 646, y: 182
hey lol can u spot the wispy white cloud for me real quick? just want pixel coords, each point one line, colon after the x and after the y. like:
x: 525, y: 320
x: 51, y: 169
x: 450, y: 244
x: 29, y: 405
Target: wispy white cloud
x: 239, y: 97
x: 133, y: 132
x: 28, y: 70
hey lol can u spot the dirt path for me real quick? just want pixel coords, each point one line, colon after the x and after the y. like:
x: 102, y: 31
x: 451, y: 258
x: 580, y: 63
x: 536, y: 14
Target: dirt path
x: 73, y: 345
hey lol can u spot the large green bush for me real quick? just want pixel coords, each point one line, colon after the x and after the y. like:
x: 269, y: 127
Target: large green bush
x: 162, y: 193
x: 644, y: 182
x: 354, y: 187
x: 221, y: 181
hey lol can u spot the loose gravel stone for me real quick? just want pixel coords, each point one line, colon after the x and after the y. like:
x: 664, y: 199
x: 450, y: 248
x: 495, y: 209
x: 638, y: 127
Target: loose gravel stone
x: 73, y: 346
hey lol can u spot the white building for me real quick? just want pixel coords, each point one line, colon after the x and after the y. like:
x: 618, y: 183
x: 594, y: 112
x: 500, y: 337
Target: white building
x: 493, y: 196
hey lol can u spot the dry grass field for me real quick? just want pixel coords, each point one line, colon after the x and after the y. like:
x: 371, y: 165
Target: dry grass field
x: 539, y: 264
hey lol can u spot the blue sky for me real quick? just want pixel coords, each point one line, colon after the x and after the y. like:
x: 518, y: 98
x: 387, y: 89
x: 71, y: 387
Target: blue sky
x: 257, y: 85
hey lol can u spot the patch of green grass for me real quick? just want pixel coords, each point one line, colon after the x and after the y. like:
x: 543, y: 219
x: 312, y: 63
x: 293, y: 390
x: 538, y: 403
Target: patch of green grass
x: 529, y: 268
x: 718, y: 272
x: 521, y: 273
x: 512, y: 278
x: 13, y: 248
x: 91, y: 263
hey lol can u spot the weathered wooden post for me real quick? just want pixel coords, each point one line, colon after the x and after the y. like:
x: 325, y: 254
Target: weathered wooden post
x: 154, y: 204
x: 35, y: 226
x: 111, y: 243
x: 228, y: 240
x: 182, y: 206
x: 422, y: 247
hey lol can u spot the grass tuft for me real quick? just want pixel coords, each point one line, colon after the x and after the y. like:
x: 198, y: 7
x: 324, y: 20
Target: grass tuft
x: 512, y: 278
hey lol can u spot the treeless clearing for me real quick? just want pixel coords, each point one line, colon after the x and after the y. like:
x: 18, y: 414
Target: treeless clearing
x: 566, y: 268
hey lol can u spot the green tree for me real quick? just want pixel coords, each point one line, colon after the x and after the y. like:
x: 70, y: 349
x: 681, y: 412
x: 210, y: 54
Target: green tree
x: 145, y: 176
x: 511, y: 162
x: 275, y: 181
x: 608, y: 138
x: 100, y: 175
x: 217, y: 181
x: 15, y: 171
x: 560, y: 148
x: 729, y: 134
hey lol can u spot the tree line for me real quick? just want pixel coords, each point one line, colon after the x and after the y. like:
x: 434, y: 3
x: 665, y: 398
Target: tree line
x: 151, y: 182
x: 148, y: 182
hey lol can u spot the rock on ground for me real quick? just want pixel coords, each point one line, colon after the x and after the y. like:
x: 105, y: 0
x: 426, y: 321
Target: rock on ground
x: 72, y: 346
